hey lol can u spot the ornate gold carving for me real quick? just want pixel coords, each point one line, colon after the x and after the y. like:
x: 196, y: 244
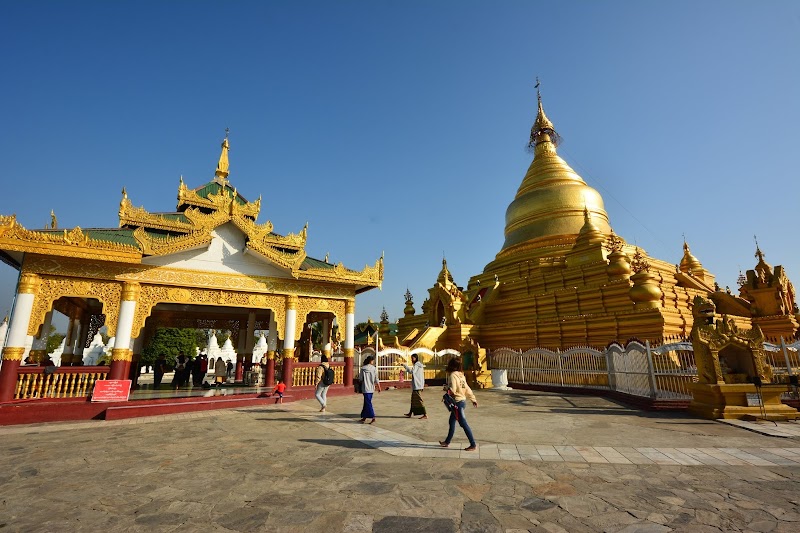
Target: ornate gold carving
x: 53, y: 288
x: 291, y: 301
x: 130, y: 291
x: 308, y: 305
x: 139, y: 216
x: 121, y: 354
x: 270, y: 354
x: 639, y: 262
x: 349, y: 307
x: 288, y: 353
x: 151, y: 295
x: 29, y: 283
x: 153, y: 245
x: 349, y: 352
x: 614, y: 243
x: 71, y: 243
x: 370, y: 275
x: 186, y: 278
x: 13, y: 353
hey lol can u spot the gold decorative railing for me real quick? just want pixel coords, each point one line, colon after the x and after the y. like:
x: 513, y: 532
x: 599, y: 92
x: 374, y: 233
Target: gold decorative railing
x: 65, y: 382
x: 304, y: 374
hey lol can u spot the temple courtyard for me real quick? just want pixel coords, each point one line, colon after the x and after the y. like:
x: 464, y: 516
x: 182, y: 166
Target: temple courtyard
x: 546, y: 462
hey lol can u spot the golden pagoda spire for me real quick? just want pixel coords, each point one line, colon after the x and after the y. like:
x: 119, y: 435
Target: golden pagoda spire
x: 222, y: 165
x: 542, y: 130
x: 689, y: 263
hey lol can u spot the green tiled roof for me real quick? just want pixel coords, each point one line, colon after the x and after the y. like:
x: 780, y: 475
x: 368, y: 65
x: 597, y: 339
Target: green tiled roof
x: 213, y: 187
x: 310, y: 262
x: 117, y: 235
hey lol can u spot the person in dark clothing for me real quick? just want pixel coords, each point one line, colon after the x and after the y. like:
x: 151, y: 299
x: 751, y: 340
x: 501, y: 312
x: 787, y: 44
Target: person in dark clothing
x: 159, y: 368
x: 230, y: 368
x: 180, y: 368
x: 188, y: 371
x: 197, y: 371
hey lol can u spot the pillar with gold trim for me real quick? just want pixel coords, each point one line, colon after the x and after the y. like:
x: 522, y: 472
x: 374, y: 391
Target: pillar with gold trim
x: 288, y: 339
x: 272, y: 344
x: 121, y: 354
x: 27, y: 289
x: 349, y: 340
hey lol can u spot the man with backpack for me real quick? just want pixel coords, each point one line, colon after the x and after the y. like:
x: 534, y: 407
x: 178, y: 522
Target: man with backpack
x: 323, y: 378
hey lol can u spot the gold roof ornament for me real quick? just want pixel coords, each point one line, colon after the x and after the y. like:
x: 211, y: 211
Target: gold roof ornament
x: 639, y: 262
x: 689, y: 263
x: 221, y: 175
x: 53, y: 220
x: 542, y: 130
x: 614, y: 243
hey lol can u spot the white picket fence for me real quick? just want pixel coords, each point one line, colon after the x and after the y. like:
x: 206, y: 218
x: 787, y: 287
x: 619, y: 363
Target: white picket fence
x: 662, y: 372
x: 389, y: 361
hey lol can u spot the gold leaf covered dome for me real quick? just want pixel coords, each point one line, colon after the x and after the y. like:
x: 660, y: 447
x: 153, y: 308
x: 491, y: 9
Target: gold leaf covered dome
x: 550, y: 203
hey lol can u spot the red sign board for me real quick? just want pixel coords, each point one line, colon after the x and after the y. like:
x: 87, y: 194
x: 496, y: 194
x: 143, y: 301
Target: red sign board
x: 111, y: 390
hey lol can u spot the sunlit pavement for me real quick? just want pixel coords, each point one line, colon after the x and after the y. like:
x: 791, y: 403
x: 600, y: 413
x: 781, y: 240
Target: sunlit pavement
x: 545, y: 462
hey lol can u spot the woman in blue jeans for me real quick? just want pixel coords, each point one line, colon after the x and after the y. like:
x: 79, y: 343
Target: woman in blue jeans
x: 459, y: 389
x: 369, y: 382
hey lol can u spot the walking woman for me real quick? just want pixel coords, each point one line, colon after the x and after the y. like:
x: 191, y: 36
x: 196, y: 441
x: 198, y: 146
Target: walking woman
x: 458, y: 388
x: 417, y: 371
x: 369, y: 382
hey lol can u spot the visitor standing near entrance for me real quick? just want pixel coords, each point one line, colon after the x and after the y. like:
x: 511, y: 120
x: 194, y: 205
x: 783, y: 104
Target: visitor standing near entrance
x: 220, y: 372
x: 229, y: 368
x: 159, y: 368
x: 323, y: 378
x: 180, y: 368
x: 417, y: 372
x: 369, y: 382
x: 458, y: 388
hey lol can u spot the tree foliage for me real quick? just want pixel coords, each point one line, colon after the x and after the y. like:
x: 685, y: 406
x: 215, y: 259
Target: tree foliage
x: 170, y: 342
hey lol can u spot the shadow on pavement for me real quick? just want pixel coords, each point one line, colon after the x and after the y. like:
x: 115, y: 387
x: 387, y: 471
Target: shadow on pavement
x: 339, y: 443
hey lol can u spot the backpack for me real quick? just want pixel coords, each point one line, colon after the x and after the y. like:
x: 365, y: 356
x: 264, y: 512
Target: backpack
x: 328, y: 377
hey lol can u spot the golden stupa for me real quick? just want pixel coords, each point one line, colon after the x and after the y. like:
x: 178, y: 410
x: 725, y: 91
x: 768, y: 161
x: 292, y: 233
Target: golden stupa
x: 563, y: 278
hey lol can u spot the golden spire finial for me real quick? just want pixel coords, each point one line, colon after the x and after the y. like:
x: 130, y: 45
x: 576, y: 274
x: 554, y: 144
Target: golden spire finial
x: 222, y: 165
x: 53, y: 220
x: 759, y: 253
x: 542, y: 130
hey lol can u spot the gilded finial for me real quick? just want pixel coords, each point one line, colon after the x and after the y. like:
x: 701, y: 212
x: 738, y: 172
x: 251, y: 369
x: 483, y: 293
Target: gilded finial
x: 222, y: 164
x: 326, y: 256
x: 759, y: 253
x: 542, y: 130
x: 409, y: 297
x: 53, y: 220
x: 124, y: 194
x: 639, y: 263
x: 614, y: 243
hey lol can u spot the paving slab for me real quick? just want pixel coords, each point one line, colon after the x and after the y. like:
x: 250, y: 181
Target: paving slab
x: 545, y: 462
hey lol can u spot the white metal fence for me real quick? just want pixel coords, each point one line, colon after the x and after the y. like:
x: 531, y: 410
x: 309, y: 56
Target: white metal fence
x: 389, y: 361
x: 662, y: 372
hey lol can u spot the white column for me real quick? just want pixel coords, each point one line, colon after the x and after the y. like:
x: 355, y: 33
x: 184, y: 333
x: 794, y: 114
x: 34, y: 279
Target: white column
x: 20, y: 318
x: 326, y: 337
x: 288, y: 335
x: 349, y: 330
x: 127, y: 310
x: 40, y: 342
x: 272, y: 336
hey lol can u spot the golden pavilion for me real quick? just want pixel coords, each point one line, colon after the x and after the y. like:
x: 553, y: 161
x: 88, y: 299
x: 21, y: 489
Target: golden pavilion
x: 563, y: 278
x: 209, y: 264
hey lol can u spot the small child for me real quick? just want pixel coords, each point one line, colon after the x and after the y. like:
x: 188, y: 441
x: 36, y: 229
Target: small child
x: 280, y: 388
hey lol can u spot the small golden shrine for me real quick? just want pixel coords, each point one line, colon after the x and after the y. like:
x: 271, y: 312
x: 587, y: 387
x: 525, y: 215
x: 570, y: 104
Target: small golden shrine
x: 563, y: 278
x: 732, y: 372
x: 209, y: 264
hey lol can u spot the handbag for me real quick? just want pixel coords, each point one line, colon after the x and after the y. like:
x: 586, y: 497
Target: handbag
x: 450, y: 403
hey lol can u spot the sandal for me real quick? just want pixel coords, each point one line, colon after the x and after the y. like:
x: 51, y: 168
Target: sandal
x: 407, y: 415
x: 444, y: 444
x: 470, y: 448
x: 372, y: 421
x: 423, y: 417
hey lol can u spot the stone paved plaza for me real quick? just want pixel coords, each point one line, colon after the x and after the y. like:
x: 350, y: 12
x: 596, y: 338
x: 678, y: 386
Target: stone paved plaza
x: 546, y: 462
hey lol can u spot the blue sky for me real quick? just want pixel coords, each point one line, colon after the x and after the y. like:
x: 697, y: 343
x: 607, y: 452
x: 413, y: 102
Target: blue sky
x: 400, y: 127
